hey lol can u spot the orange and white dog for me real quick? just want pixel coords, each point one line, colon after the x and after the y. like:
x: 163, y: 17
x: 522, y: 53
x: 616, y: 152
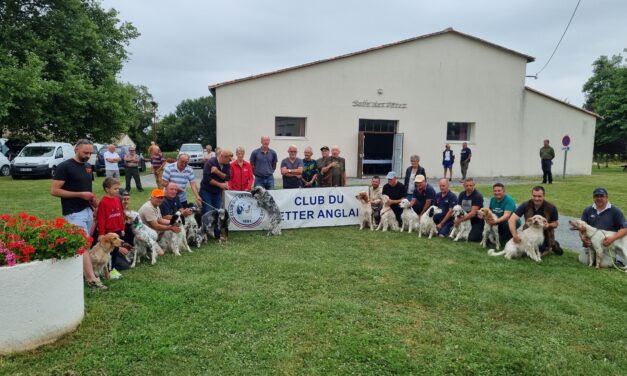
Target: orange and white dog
x: 365, y: 211
x: 388, y: 218
x: 530, y: 240
x: 101, y: 252
x: 490, y: 232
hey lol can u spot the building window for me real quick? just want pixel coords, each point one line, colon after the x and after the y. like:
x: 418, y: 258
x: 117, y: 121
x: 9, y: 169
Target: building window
x: 459, y: 131
x: 289, y: 126
x: 378, y: 126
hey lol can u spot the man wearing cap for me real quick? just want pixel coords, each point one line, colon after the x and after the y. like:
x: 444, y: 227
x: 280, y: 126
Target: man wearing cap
x: 538, y: 206
x: 131, y: 169
x: 334, y: 170
x: 321, y: 162
x: 150, y: 213
x: 215, y: 176
x: 291, y: 169
x: 603, y: 216
x: 423, y: 195
x: 181, y: 174
x: 396, y: 191
x: 445, y: 200
x: 264, y: 160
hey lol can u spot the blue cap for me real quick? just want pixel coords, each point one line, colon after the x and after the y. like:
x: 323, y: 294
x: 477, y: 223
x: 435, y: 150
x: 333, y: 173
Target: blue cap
x: 391, y: 175
x: 600, y: 192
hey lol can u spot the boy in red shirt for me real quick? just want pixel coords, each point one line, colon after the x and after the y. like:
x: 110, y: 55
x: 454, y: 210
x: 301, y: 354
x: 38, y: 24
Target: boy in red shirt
x: 110, y: 218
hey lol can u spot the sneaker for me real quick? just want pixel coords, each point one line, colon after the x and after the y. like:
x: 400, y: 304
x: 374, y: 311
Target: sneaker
x: 114, y: 274
x: 96, y: 285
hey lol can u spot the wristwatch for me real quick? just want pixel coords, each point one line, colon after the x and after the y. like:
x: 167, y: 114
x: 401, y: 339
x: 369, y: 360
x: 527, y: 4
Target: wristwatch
x: 289, y: 171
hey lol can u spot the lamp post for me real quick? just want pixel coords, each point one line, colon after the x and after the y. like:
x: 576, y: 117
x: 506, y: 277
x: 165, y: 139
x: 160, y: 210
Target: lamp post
x: 154, y: 120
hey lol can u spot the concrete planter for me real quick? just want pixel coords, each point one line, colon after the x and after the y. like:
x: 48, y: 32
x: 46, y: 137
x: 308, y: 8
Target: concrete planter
x: 39, y: 302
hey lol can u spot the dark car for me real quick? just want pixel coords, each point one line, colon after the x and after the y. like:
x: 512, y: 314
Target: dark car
x: 122, y: 150
x: 12, y: 147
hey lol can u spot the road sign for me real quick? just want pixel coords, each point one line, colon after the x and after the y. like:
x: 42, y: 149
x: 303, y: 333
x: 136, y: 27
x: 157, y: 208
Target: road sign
x: 566, y: 140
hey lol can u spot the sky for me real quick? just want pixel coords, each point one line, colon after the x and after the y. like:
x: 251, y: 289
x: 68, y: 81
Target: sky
x: 187, y: 45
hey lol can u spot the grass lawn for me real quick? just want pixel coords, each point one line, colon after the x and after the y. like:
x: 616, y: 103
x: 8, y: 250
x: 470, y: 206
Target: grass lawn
x: 341, y: 301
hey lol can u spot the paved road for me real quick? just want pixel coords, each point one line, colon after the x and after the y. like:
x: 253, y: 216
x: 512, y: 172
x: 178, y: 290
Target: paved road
x: 567, y: 238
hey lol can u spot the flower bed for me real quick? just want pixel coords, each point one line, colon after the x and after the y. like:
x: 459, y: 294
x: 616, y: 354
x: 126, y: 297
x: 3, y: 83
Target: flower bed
x: 41, y: 280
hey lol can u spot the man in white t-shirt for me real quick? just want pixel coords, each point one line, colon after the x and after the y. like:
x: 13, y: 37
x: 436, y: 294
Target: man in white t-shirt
x: 111, y: 162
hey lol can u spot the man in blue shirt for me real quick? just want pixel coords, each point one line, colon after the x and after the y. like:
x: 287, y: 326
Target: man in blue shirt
x: 603, y: 216
x: 181, y: 174
x: 264, y: 161
x: 423, y: 195
x: 445, y: 200
x: 215, y: 176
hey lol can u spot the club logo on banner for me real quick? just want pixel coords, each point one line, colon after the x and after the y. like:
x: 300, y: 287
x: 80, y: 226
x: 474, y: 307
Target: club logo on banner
x: 314, y: 207
x: 244, y: 211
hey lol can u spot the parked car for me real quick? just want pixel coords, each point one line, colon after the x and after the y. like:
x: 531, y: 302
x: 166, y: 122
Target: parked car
x: 40, y: 159
x: 195, y: 152
x: 5, y: 166
x: 122, y: 150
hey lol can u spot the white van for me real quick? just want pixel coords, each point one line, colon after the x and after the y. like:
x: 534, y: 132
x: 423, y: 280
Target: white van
x: 40, y: 159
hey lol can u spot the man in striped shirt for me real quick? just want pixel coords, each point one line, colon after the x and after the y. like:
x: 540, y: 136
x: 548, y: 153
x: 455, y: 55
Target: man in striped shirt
x: 181, y: 174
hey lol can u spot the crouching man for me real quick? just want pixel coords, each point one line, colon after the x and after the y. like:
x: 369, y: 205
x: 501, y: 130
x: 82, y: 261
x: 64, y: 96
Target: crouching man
x: 150, y: 214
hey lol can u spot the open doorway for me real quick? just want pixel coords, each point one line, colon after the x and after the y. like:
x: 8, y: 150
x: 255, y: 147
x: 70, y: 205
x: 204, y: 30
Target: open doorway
x: 377, y: 146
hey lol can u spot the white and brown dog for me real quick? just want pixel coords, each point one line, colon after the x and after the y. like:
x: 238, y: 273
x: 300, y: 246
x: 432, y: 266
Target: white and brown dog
x: 597, y: 250
x: 410, y: 219
x: 365, y: 211
x: 427, y: 224
x: 388, y: 218
x: 490, y: 232
x: 101, y: 252
x: 530, y: 240
x: 462, y: 229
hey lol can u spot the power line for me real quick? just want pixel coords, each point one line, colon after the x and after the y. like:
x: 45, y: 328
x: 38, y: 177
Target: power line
x: 560, y: 41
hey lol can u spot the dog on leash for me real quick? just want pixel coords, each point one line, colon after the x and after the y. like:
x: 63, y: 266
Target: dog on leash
x: 530, y: 240
x: 101, y: 252
x: 265, y: 201
x: 388, y: 218
x: 215, y: 224
x: 192, y: 229
x: 145, y: 240
x: 174, y: 241
x: 490, y: 232
x: 597, y: 250
x: 410, y: 219
x: 462, y: 229
x: 427, y: 224
x: 365, y: 213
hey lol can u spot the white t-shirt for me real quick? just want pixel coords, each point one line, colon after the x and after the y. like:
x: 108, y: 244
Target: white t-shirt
x: 108, y: 165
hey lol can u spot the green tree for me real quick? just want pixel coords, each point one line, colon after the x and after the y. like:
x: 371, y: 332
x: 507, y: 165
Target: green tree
x: 194, y: 121
x: 58, y: 66
x: 606, y: 94
x: 140, y: 129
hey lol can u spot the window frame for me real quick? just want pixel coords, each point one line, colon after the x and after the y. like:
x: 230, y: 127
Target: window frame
x: 470, y: 130
x: 297, y: 119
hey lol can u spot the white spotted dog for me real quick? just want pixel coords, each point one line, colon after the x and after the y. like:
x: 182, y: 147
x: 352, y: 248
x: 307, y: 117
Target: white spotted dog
x: 530, y: 240
x: 462, y: 229
x: 388, y: 218
x: 215, y: 224
x: 192, y: 229
x: 365, y: 211
x: 265, y: 201
x: 145, y: 241
x: 490, y: 232
x: 173, y: 241
x: 597, y: 250
x: 410, y: 219
x: 427, y: 224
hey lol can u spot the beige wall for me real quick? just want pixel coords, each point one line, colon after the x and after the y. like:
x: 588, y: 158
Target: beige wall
x: 442, y: 78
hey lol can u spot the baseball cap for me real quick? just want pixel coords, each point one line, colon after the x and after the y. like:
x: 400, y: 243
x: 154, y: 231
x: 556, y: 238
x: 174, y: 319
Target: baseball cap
x: 390, y: 175
x: 419, y: 178
x: 324, y: 148
x: 600, y: 192
x: 123, y: 192
x: 157, y: 193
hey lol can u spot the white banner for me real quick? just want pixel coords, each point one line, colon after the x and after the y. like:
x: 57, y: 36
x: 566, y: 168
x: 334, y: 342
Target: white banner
x: 303, y: 207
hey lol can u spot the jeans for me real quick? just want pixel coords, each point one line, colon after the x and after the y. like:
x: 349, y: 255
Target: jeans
x: 547, y: 176
x: 267, y: 182
x: 446, y: 227
x: 210, y: 200
x: 83, y: 219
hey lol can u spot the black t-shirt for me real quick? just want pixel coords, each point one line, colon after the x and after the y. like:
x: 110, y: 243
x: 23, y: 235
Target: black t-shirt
x: 465, y: 154
x: 396, y: 192
x: 468, y: 201
x: 169, y: 206
x: 77, y: 178
x: 208, y: 176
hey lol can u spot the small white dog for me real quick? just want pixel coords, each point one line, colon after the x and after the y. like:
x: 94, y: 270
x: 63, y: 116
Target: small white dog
x: 388, y: 218
x: 427, y: 225
x: 490, y: 232
x: 172, y: 241
x: 365, y: 211
x: 462, y: 229
x: 410, y: 219
x: 597, y: 249
x: 531, y: 239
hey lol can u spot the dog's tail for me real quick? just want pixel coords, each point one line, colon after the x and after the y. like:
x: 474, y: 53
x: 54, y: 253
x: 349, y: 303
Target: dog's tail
x: 491, y: 252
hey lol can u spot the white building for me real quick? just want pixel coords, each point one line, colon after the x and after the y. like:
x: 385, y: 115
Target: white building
x: 386, y: 103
